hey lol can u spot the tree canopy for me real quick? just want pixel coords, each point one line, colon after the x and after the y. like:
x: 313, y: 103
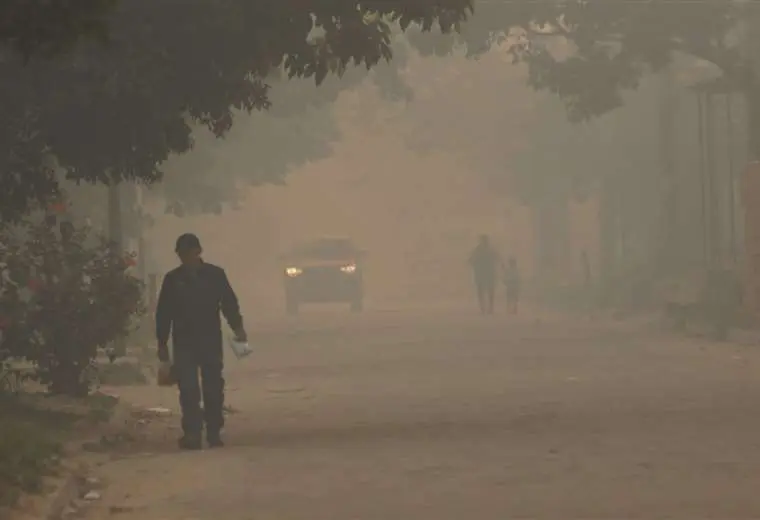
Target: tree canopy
x: 526, y: 148
x: 113, y: 112
x: 45, y: 28
x: 589, y: 53
x: 264, y: 148
x: 562, y: 161
x: 260, y: 149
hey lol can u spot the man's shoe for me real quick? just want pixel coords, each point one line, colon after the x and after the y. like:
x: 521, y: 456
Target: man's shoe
x: 215, y: 441
x: 190, y: 442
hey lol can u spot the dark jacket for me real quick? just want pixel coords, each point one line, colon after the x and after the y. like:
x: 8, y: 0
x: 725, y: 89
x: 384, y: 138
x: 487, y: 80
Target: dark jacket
x: 189, y: 304
x: 484, y: 261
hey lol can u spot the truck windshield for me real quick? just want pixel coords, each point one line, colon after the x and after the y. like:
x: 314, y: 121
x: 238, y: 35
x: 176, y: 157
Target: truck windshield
x: 326, y: 249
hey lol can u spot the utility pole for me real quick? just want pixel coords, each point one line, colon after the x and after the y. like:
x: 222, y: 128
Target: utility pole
x: 750, y: 187
x: 666, y: 257
x: 137, y: 225
x: 702, y: 176
x: 115, y: 235
x: 732, y: 188
x: 713, y: 198
x: 751, y: 45
x: 142, y: 261
x: 116, y: 239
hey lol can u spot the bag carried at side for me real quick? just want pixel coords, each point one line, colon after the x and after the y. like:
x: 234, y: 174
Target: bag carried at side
x: 241, y: 349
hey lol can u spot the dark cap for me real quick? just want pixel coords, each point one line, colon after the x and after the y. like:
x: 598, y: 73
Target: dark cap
x: 187, y: 242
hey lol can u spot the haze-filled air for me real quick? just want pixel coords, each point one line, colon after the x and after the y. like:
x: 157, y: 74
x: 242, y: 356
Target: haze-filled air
x: 375, y: 260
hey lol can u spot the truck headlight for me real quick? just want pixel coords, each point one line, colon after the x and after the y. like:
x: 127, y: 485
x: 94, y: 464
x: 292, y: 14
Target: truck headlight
x: 292, y: 272
x: 350, y: 268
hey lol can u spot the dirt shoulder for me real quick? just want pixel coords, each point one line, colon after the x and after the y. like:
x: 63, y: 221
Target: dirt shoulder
x: 439, y: 416
x: 50, y: 448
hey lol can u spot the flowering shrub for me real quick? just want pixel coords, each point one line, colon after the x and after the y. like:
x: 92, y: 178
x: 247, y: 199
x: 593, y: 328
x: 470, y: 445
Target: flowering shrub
x: 62, y: 297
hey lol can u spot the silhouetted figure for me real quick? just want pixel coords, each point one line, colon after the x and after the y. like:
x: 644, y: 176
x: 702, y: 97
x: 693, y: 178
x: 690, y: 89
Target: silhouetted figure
x: 188, y: 308
x: 512, y: 285
x: 484, y: 261
x: 586, y: 266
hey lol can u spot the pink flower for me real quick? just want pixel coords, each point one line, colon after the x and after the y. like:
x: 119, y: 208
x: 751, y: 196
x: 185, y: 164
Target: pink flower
x: 58, y: 207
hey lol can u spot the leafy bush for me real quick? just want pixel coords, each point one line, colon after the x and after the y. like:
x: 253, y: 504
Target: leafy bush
x: 27, y: 455
x: 63, y: 295
x: 32, y: 433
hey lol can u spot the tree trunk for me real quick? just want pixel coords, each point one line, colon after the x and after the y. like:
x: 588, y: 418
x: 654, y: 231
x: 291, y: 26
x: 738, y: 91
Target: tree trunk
x: 115, y: 235
x: 552, y: 240
x: 715, y: 209
x: 665, y: 257
x: 116, y: 238
x: 66, y: 379
x: 751, y: 16
x: 752, y: 99
x: 609, y: 235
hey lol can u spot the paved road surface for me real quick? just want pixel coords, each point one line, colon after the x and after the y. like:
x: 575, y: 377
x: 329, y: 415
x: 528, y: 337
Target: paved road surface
x: 439, y: 415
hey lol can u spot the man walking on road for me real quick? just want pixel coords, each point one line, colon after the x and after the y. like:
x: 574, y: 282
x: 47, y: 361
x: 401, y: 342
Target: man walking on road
x: 484, y: 261
x: 188, y: 308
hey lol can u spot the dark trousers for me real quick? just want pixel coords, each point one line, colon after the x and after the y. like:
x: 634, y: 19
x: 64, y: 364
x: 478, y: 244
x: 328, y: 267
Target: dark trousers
x: 189, y: 365
x: 485, y: 287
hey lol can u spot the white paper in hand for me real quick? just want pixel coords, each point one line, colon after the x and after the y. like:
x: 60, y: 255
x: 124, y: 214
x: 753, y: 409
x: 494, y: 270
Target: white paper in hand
x: 241, y: 349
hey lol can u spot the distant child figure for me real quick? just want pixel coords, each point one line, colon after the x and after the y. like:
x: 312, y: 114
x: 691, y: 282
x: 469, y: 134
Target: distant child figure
x: 484, y: 261
x: 512, y: 285
x: 586, y: 266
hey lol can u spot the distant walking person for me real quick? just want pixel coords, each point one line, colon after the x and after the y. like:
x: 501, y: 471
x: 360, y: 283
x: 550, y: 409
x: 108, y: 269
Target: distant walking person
x: 512, y: 285
x: 191, y: 297
x: 586, y: 266
x: 588, y: 282
x: 484, y: 261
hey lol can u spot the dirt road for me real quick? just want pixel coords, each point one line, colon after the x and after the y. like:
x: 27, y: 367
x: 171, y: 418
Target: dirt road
x: 438, y: 415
